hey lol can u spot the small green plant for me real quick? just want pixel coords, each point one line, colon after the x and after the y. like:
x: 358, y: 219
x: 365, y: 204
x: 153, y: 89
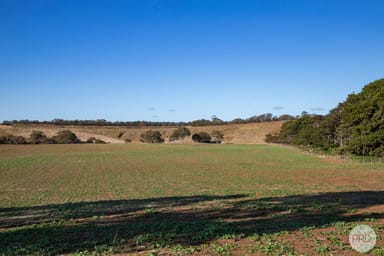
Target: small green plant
x: 181, y: 250
x: 378, y: 251
x: 320, y: 247
x: 223, y: 249
x: 82, y: 253
x: 336, y: 241
x: 255, y: 237
x: 274, y: 247
x: 306, y: 231
x: 149, y: 210
x: 103, y: 250
x: 232, y: 236
x: 153, y: 253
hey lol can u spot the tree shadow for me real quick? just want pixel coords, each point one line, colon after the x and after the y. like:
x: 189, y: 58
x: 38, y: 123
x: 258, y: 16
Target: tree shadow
x: 134, y: 225
x: 22, y: 216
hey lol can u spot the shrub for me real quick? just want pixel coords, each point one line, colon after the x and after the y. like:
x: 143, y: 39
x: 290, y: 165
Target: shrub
x: 127, y: 140
x: 11, y: 139
x: 19, y: 140
x: 180, y: 133
x: 201, y: 137
x: 151, y: 137
x: 90, y: 140
x: 269, y: 138
x: 38, y: 137
x: 66, y: 137
x: 93, y: 140
x: 217, y: 136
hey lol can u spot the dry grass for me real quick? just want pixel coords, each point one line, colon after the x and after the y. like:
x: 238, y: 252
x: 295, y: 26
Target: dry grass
x: 253, y: 133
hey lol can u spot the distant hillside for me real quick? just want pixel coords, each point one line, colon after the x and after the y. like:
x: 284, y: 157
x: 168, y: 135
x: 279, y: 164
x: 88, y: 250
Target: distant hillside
x: 252, y: 133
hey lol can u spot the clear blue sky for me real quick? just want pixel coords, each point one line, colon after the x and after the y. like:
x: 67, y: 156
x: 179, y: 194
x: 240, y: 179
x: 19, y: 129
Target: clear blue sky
x: 179, y: 60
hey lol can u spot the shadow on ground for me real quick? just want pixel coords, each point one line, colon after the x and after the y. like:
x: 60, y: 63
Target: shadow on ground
x: 134, y: 225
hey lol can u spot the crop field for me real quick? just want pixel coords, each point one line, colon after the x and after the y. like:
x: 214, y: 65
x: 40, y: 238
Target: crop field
x: 138, y: 199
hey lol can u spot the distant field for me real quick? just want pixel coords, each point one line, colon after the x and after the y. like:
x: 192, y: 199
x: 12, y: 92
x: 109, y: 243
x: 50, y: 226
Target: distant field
x: 140, y: 199
x: 253, y: 133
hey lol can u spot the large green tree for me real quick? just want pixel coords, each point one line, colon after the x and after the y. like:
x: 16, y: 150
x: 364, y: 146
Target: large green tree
x: 355, y: 126
x: 361, y: 129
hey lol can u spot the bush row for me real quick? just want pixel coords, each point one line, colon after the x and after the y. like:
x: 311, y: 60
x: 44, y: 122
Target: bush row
x: 153, y: 136
x: 38, y: 137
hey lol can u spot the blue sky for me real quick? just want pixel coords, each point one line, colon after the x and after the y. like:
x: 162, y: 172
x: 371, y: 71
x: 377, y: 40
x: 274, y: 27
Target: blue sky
x: 179, y: 60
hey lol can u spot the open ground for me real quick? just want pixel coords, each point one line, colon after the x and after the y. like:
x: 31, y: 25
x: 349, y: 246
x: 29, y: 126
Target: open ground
x: 138, y: 199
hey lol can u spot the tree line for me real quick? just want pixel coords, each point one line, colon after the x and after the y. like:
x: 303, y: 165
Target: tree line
x: 268, y: 117
x: 355, y: 126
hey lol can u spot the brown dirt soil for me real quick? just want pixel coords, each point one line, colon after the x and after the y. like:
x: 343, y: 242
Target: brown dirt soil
x: 323, y: 233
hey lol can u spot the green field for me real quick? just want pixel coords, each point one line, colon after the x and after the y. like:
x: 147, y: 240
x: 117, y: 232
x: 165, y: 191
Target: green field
x: 183, y: 199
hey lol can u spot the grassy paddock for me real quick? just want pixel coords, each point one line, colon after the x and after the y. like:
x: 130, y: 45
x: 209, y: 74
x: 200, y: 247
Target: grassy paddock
x: 183, y: 199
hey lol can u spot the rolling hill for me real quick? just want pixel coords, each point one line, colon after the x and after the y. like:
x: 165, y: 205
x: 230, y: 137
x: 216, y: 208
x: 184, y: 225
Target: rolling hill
x: 253, y: 133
